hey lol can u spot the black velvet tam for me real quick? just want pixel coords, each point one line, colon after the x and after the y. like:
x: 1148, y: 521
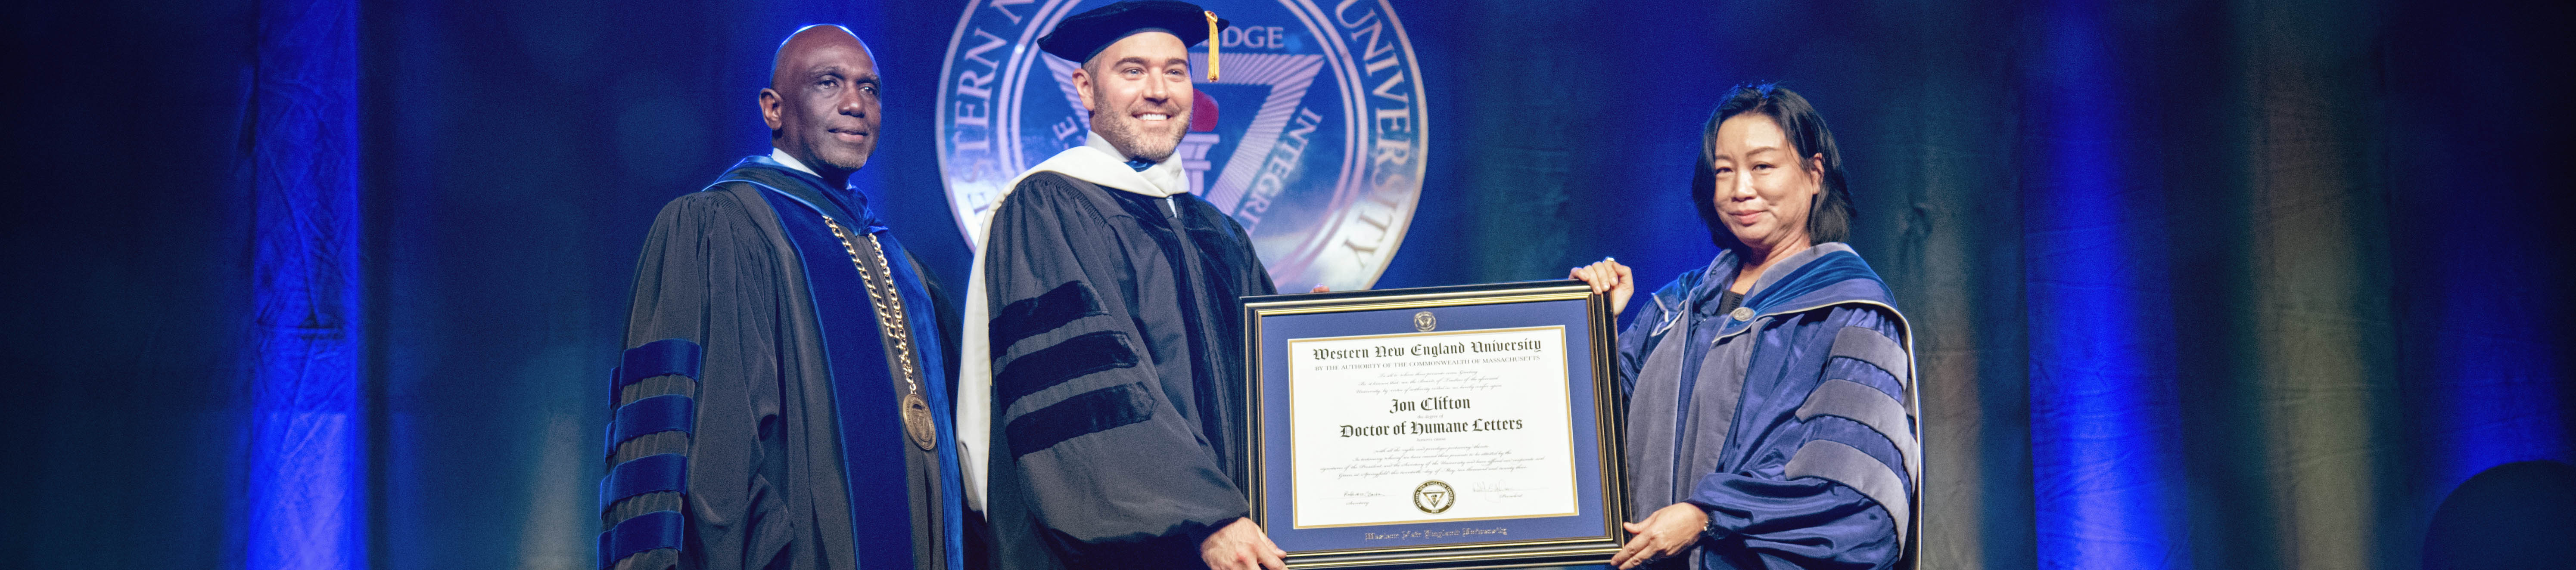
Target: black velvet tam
x: 1085, y: 34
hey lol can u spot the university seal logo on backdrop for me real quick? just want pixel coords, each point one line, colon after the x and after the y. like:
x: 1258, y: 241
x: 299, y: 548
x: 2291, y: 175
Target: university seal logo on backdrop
x: 1312, y: 137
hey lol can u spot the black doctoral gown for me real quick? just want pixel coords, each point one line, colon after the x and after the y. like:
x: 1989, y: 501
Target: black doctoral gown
x: 767, y: 483
x: 1116, y: 331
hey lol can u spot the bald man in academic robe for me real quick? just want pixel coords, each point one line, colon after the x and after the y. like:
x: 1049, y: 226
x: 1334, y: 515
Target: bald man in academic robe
x: 783, y: 401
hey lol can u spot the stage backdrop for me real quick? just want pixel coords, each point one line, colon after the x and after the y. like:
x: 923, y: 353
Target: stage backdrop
x: 2217, y: 284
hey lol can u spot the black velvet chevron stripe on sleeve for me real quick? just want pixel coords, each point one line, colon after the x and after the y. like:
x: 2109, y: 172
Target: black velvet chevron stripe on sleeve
x: 1074, y: 358
x: 1091, y: 412
x: 1029, y: 317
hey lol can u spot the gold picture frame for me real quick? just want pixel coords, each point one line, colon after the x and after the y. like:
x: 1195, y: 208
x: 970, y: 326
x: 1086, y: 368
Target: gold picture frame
x: 1594, y: 408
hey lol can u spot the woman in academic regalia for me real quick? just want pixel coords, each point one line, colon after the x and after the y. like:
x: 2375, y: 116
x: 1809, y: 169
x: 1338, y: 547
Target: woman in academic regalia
x: 1771, y: 408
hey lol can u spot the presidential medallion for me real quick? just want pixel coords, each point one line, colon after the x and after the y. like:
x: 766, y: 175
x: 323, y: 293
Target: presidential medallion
x: 917, y: 424
x: 887, y: 300
x: 1313, y: 137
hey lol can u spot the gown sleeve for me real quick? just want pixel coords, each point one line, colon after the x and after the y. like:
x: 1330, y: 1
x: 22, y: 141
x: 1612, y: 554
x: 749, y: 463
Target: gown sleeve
x: 1644, y: 329
x: 1833, y: 490
x: 944, y: 311
x: 708, y: 275
x: 1111, y: 468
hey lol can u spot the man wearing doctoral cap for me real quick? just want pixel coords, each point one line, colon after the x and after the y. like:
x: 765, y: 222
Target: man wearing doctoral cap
x: 782, y: 402
x: 1103, y: 368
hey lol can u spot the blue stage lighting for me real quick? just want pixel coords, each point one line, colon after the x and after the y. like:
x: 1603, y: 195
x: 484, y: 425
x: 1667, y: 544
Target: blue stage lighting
x: 2105, y: 426
x: 305, y: 498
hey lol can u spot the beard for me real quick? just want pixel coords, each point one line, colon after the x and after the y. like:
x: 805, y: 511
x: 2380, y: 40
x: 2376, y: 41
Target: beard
x: 1132, y: 138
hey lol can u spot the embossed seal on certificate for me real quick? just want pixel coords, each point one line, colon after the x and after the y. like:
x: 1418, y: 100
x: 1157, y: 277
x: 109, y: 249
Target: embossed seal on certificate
x: 1313, y: 137
x: 1434, y: 496
x: 1424, y: 322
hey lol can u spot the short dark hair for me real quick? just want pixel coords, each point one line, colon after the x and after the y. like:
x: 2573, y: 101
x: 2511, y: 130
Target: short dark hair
x: 1831, y: 217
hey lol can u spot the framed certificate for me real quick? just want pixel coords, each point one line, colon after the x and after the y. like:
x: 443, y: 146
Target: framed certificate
x: 1444, y: 427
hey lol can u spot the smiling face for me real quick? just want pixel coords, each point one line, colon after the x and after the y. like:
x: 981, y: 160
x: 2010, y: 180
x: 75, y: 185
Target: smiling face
x: 1764, y: 190
x: 821, y: 104
x: 1138, y: 91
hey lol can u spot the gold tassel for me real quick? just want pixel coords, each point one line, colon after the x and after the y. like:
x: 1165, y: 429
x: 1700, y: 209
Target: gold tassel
x: 1213, y: 40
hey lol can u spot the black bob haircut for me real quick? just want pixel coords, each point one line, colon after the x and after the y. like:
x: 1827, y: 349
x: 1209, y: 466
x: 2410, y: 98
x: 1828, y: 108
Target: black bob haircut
x: 1830, y: 218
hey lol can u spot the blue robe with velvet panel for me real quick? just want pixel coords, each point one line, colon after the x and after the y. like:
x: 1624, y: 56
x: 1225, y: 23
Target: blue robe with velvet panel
x: 1790, y: 421
x: 758, y: 418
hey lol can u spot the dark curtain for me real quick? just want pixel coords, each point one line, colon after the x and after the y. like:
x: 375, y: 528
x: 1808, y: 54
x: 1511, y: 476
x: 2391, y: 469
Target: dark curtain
x: 128, y: 245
